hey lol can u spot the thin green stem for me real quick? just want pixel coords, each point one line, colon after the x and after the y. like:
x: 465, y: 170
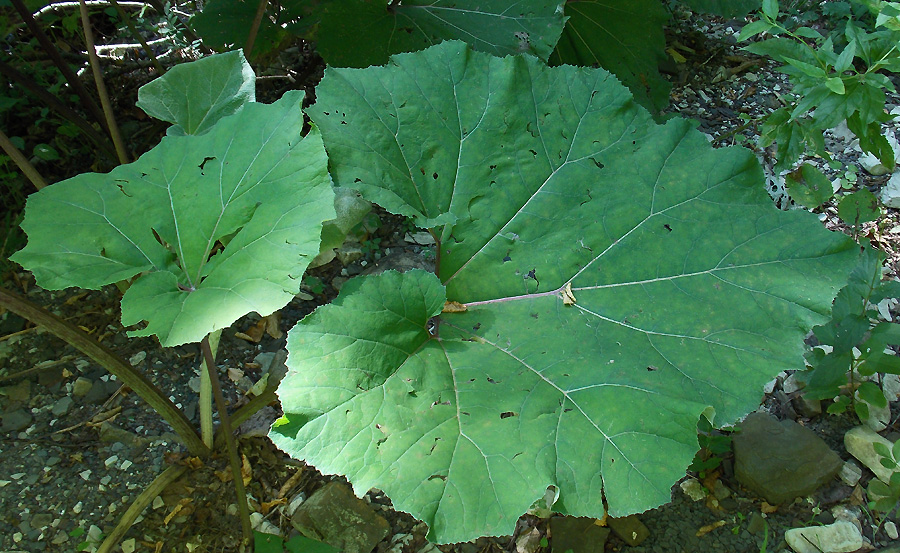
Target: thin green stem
x: 225, y: 423
x: 101, y: 86
x: 111, y: 361
x: 155, y: 488
x: 22, y: 162
x: 206, y: 399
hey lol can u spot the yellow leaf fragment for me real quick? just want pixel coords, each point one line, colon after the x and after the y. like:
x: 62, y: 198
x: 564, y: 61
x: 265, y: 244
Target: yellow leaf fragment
x: 454, y: 307
x: 710, y: 527
x: 567, y: 296
x: 246, y: 471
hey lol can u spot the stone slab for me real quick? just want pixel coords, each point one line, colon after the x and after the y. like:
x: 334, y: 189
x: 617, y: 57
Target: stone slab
x: 781, y: 461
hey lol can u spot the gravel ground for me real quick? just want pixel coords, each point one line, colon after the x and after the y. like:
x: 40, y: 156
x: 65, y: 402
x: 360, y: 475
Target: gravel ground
x: 76, y: 448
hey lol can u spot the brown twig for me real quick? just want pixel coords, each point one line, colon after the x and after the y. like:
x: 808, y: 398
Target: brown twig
x: 254, y: 28
x: 37, y: 368
x: 22, y: 162
x: 101, y: 86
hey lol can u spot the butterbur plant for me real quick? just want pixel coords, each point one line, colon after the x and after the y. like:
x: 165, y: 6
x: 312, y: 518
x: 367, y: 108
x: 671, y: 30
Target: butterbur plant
x: 220, y: 219
x: 601, y: 281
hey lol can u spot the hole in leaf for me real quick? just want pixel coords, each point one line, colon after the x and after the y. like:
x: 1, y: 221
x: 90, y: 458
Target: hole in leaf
x: 203, y: 163
x: 507, y: 414
x: 668, y: 228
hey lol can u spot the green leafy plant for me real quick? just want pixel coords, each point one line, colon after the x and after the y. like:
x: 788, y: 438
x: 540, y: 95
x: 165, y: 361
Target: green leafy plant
x: 856, y: 338
x: 714, y: 446
x: 886, y: 495
x: 828, y: 87
x: 601, y: 281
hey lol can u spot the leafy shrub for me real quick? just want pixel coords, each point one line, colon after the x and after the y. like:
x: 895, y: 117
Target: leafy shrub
x: 829, y: 87
x: 857, y: 341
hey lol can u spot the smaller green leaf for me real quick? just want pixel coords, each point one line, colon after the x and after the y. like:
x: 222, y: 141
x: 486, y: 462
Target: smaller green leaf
x: 807, y: 32
x: 862, y: 410
x: 836, y: 85
x: 806, y: 68
x: 858, y: 207
x: 877, y: 487
x: 895, y: 450
x: 302, y: 544
x: 46, y: 152
x: 808, y: 186
x: 845, y: 60
x: 770, y: 8
x: 839, y: 406
x: 887, y: 463
x: 267, y: 543
x: 872, y: 394
x: 195, y: 95
x: 754, y: 28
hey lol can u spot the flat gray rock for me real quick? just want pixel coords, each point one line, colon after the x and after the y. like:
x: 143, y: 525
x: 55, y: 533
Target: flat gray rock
x: 781, y: 461
x: 337, y: 517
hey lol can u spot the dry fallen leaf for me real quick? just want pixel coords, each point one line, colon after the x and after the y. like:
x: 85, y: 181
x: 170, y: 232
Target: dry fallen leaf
x: 291, y: 482
x: 710, y: 527
x: 235, y: 374
x: 182, y: 503
x: 246, y: 471
x: 273, y: 325
x: 454, y: 307
x: 766, y: 508
x: 266, y: 506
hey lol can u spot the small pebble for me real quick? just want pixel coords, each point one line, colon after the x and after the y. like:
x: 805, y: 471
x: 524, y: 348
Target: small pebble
x: 891, y: 530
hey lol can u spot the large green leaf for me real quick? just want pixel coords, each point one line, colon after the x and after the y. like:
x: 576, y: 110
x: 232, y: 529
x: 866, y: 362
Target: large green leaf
x: 622, y: 36
x: 357, y: 34
x: 252, y: 185
x: 226, y: 24
x: 195, y: 95
x: 691, y: 292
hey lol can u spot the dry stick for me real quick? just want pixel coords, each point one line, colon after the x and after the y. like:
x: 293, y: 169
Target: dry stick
x: 225, y: 422
x: 55, y: 104
x: 22, y: 162
x: 110, y: 361
x: 128, y: 23
x: 63, y: 67
x: 101, y: 86
x: 254, y: 28
x: 146, y: 497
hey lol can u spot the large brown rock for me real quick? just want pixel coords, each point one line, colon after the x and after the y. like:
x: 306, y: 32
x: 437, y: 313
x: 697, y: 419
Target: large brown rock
x: 781, y: 461
x: 337, y: 517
